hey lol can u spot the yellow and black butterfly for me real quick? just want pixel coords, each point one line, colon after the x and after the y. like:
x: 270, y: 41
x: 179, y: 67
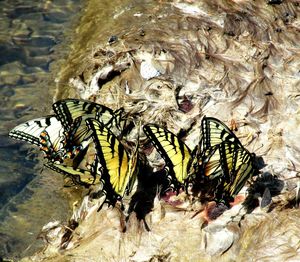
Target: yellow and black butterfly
x: 72, y: 113
x: 222, y: 161
x: 213, y: 134
x: 175, y: 153
x: 118, y: 171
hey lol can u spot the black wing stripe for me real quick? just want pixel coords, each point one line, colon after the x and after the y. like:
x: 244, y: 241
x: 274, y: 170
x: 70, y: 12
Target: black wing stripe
x: 150, y: 133
x: 175, y: 153
x: 118, y: 171
x: 19, y: 135
x: 121, y: 155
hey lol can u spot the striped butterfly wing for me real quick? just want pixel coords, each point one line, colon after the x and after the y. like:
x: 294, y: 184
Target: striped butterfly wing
x: 229, y: 167
x: 73, y: 112
x: 221, y: 161
x: 68, y: 110
x: 77, y: 175
x: 239, y: 164
x: 175, y: 153
x: 211, y: 163
x: 215, y: 132
x: 30, y: 131
x: 118, y: 172
x: 45, y: 132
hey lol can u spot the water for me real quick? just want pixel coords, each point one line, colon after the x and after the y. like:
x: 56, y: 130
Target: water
x: 30, y: 32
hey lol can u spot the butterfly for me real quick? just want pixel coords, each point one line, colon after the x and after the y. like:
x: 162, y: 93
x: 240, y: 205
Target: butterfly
x: 213, y: 134
x: 222, y: 161
x: 72, y: 113
x: 118, y: 171
x: 175, y: 153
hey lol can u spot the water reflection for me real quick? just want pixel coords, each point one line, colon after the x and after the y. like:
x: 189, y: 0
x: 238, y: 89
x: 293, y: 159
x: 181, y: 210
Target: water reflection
x: 29, y: 31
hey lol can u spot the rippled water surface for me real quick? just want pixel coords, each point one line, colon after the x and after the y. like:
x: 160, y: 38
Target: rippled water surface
x: 30, y: 32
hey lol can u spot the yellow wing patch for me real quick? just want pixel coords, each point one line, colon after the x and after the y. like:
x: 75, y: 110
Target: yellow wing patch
x: 175, y: 153
x: 117, y: 168
x: 240, y: 168
x: 215, y: 132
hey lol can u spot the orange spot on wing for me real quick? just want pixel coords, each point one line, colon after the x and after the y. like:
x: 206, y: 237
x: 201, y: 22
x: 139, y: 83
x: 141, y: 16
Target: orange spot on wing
x: 43, y: 134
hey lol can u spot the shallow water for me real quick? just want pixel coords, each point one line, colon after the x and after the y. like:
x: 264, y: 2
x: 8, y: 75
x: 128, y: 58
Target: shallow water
x: 29, y: 35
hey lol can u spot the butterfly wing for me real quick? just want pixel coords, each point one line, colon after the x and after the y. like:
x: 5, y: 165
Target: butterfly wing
x: 215, y: 132
x: 72, y: 113
x: 68, y: 110
x: 45, y: 132
x: 211, y: 165
x: 238, y: 163
x: 30, y: 131
x: 78, y: 176
x: 175, y: 153
x: 117, y: 169
x: 228, y: 167
x: 221, y: 161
